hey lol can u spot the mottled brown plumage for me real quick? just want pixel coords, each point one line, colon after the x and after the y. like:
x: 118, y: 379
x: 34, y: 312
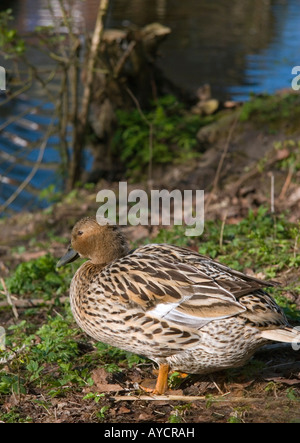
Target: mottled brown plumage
x: 170, y: 304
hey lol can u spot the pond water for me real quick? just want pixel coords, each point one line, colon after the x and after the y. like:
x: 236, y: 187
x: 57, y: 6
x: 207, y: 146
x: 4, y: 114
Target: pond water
x: 237, y: 46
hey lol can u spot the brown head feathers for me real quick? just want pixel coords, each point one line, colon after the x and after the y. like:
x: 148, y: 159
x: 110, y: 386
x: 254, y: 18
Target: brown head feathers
x: 100, y: 243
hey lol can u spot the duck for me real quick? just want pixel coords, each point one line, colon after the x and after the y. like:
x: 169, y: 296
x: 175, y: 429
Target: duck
x: 184, y: 311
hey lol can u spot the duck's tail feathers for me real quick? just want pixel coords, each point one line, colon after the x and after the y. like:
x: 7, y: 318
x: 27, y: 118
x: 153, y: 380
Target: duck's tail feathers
x: 285, y: 335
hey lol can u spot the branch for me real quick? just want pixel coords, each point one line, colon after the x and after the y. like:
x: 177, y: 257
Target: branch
x: 31, y: 303
x: 150, y: 125
x: 80, y: 128
x: 97, y: 36
x: 186, y: 398
x: 17, y: 117
x: 287, y: 183
x: 62, y: 114
x: 123, y: 59
x: 20, y: 91
x: 221, y: 162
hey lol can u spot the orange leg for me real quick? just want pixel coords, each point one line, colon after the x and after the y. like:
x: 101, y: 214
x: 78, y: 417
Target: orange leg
x: 162, y: 380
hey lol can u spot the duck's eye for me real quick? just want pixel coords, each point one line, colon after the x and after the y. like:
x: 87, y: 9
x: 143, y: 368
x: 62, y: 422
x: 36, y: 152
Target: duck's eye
x: 79, y: 232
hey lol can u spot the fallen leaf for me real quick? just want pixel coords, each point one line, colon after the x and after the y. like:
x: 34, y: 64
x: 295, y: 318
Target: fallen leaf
x: 286, y: 381
x: 124, y: 410
x: 282, y: 154
x: 99, y: 377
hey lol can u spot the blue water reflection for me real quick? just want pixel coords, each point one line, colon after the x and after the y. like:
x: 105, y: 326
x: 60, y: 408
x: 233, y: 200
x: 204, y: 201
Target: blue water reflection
x: 270, y: 69
x: 20, y: 144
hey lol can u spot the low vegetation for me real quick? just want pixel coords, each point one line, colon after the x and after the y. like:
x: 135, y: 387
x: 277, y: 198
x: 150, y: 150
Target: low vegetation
x: 273, y: 112
x: 165, y: 133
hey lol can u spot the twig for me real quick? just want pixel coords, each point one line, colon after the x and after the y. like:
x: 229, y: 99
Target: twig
x: 9, y: 299
x: 222, y: 230
x: 93, y: 57
x: 72, y: 64
x: 150, y: 125
x: 221, y: 162
x: 287, y: 183
x: 17, y: 117
x: 186, y: 398
x: 272, y: 194
x: 251, y: 174
x: 20, y: 91
x: 296, y: 246
x: 30, y: 303
x: 62, y: 112
x: 86, y: 97
x: 123, y: 59
x: 56, y: 28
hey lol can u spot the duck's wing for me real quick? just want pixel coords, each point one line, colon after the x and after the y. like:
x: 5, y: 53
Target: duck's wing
x: 236, y: 282
x: 185, y: 292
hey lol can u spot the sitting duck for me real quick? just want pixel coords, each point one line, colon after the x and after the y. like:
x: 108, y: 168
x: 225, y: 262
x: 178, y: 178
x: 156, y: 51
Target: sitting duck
x: 183, y: 310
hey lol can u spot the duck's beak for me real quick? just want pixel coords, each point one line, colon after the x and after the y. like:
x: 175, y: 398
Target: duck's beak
x: 70, y: 256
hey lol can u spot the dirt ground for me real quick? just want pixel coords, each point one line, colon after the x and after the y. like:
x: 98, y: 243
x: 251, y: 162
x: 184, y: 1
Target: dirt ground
x: 246, y: 395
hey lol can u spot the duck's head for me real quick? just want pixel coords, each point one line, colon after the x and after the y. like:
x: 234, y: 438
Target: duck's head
x: 101, y: 243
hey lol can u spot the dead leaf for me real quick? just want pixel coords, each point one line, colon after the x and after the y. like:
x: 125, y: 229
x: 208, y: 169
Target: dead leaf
x: 295, y: 196
x: 286, y: 381
x: 99, y: 377
x: 282, y: 154
x: 12, y: 402
x: 124, y: 410
x: 144, y: 417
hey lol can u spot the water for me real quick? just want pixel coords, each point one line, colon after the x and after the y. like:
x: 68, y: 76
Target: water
x: 238, y: 46
x: 270, y: 68
x: 20, y: 143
